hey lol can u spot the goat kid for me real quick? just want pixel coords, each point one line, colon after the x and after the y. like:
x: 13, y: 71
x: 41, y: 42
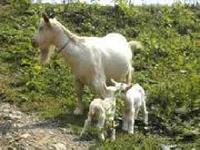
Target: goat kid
x: 102, y: 111
x: 134, y: 96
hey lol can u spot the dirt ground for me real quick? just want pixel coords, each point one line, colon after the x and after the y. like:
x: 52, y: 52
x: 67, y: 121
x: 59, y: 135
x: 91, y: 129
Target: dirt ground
x: 23, y: 131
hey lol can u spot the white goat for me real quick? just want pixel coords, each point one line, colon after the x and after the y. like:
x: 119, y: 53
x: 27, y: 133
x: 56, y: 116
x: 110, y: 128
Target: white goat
x: 134, y: 96
x: 93, y: 60
x: 101, y: 111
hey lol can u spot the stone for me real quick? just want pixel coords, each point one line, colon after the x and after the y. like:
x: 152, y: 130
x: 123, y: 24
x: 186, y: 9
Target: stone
x: 167, y: 147
x: 11, y: 148
x: 58, y: 146
x: 5, y: 127
x: 27, y: 132
x: 25, y: 136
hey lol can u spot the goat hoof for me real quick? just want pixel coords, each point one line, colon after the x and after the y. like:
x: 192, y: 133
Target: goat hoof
x: 78, y: 111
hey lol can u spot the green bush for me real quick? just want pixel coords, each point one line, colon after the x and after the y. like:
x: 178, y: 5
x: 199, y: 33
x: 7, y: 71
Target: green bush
x: 21, y: 5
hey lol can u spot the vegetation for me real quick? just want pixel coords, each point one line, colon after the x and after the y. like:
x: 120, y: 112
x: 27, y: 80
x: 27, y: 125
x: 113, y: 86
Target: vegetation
x: 168, y: 67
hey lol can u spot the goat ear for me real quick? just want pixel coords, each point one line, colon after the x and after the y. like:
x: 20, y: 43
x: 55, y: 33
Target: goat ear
x: 113, y: 81
x: 45, y: 17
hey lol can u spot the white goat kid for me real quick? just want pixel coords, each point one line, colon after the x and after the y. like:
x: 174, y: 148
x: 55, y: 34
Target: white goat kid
x: 134, y: 96
x: 93, y: 60
x: 102, y: 111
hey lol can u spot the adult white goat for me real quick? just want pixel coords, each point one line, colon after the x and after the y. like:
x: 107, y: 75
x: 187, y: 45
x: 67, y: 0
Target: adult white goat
x: 135, y: 97
x: 93, y: 60
x: 102, y: 111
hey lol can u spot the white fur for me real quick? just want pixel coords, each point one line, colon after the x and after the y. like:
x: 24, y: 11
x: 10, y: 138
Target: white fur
x: 134, y: 99
x: 102, y: 110
x: 93, y: 60
x: 134, y: 96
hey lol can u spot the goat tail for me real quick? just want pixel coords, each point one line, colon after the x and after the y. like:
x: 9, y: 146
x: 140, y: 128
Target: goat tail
x: 135, y: 45
x: 129, y: 75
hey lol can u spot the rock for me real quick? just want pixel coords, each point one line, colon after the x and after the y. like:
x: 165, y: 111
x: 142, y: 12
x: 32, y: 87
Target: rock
x: 21, y: 146
x: 5, y: 106
x: 11, y: 148
x: 63, y: 130
x: 183, y: 71
x: 58, y: 146
x: 27, y: 132
x: 167, y: 147
x: 6, y: 110
x: 15, y: 116
x: 5, y: 127
x: 17, y: 125
x: 24, y: 136
x: 51, y: 132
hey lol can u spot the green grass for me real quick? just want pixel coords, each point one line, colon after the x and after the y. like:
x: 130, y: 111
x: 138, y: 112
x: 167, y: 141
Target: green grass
x: 168, y: 68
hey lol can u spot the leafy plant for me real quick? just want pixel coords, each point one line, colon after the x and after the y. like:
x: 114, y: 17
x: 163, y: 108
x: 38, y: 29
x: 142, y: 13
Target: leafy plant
x: 21, y: 5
